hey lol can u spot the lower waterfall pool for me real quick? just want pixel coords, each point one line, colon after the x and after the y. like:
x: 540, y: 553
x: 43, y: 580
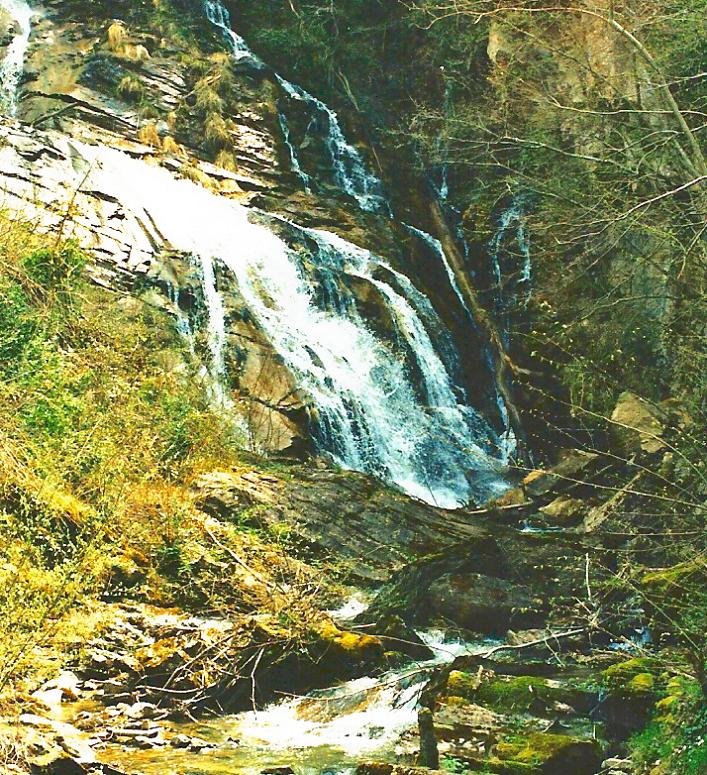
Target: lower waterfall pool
x: 327, y: 731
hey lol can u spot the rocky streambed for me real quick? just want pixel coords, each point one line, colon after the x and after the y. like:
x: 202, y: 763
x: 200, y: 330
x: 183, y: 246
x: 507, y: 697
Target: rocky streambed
x: 491, y: 651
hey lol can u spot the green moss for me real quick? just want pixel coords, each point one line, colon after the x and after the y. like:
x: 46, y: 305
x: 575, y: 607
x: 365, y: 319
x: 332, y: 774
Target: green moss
x: 642, y: 683
x: 634, y: 677
x: 547, y: 752
x: 676, y: 581
x: 523, y: 694
x: 460, y: 684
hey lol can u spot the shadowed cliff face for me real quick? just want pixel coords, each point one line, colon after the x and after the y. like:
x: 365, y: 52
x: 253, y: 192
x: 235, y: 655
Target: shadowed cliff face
x: 234, y: 199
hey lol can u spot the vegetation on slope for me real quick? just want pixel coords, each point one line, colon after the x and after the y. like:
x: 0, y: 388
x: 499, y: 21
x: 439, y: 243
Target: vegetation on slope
x: 104, y: 424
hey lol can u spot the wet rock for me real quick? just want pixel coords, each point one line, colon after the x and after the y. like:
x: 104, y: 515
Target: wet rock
x: 67, y: 683
x: 631, y: 690
x: 278, y: 771
x: 65, y: 736
x: 617, y: 765
x: 567, y: 473
x: 480, y: 603
x: 142, y: 710
x: 381, y: 768
x: 564, y: 510
x: 467, y: 721
x: 521, y: 694
x: 523, y: 637
x: 406, y: 594
x: 397, y: 636
x: 342, y: 515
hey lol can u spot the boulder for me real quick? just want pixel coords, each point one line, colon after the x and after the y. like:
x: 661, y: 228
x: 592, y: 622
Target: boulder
x: 520, y: 694
x: 550, y: 754
x: 478, y: 602
x: 631, y: 690
x: 567, y: 473
x: 399, y: 637
x: 636, y: 426
x: 564, y: 510
x: 408, y: 594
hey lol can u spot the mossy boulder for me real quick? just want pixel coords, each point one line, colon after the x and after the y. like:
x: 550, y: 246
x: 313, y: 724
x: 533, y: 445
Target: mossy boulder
x: 632, y: 689
x: 521, y: 694
x: 633, y: 677
x: 551, y: 754
x: 665, y: 589
x: 347, y: 652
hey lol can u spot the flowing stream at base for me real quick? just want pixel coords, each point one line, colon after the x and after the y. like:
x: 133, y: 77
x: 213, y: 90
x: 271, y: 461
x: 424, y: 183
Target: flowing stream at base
x: 327, y: 731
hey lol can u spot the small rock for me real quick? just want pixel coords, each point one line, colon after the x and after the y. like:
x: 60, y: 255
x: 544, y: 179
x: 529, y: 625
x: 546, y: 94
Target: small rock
x: 142, y: 710
x: 563, y: 510
x: 198, y: 744
x: 617, y: 765
x: 50, y: 699
x: 637, y: 426
x: 67, y: 683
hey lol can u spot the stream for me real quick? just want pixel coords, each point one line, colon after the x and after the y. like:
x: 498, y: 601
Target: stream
x: 327, y: 731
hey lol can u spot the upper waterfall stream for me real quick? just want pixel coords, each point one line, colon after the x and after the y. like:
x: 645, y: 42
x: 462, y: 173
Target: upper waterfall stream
x: 347, y: 167
x: 12, y: 64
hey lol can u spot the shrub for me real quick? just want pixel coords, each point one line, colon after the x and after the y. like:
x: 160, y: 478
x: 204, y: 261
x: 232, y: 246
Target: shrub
x: 51, y: 268
x: 131, y: 88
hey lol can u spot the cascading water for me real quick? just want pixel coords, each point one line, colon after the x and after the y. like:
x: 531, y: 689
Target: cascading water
x: 12, y: 65
x: 216, y: 328
x: 507, y: 441
x: 370, y: 414
x: 511, y: 269
x: 348, y: 169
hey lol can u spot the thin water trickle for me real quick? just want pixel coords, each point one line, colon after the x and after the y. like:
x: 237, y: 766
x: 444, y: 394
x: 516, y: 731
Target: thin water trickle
x: 347, y: 166
x: 12, y: 65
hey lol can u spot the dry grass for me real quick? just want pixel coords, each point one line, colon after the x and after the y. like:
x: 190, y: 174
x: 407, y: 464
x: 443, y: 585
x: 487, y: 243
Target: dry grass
x: 216, y: 132
x: 99, y: 439
x: 227, y: 160
x: 116, y: 36
x: 148, y: 135
x: 130, y: 87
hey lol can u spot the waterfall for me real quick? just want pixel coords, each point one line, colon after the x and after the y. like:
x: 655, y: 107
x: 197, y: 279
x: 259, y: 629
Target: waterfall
x: 370, y: 414
x: 216, y: 328
x: 12, y: 65
x: 436, y: 246
x: 294, y: 159
x: 511, y: 277
x: 507, y: 441
x: 348, y: 168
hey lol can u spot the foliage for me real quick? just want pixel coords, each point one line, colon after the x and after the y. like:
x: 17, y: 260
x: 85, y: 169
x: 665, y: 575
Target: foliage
x: 98, y: 420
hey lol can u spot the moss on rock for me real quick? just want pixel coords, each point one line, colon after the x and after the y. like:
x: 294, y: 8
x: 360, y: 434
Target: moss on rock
x: 634, y: 677
x: 522, y: 694
x: 551, y: 754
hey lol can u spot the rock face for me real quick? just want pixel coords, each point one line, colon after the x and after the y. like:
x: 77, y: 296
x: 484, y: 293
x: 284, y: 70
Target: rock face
x: 477, y: 602
x: 346, y: 518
